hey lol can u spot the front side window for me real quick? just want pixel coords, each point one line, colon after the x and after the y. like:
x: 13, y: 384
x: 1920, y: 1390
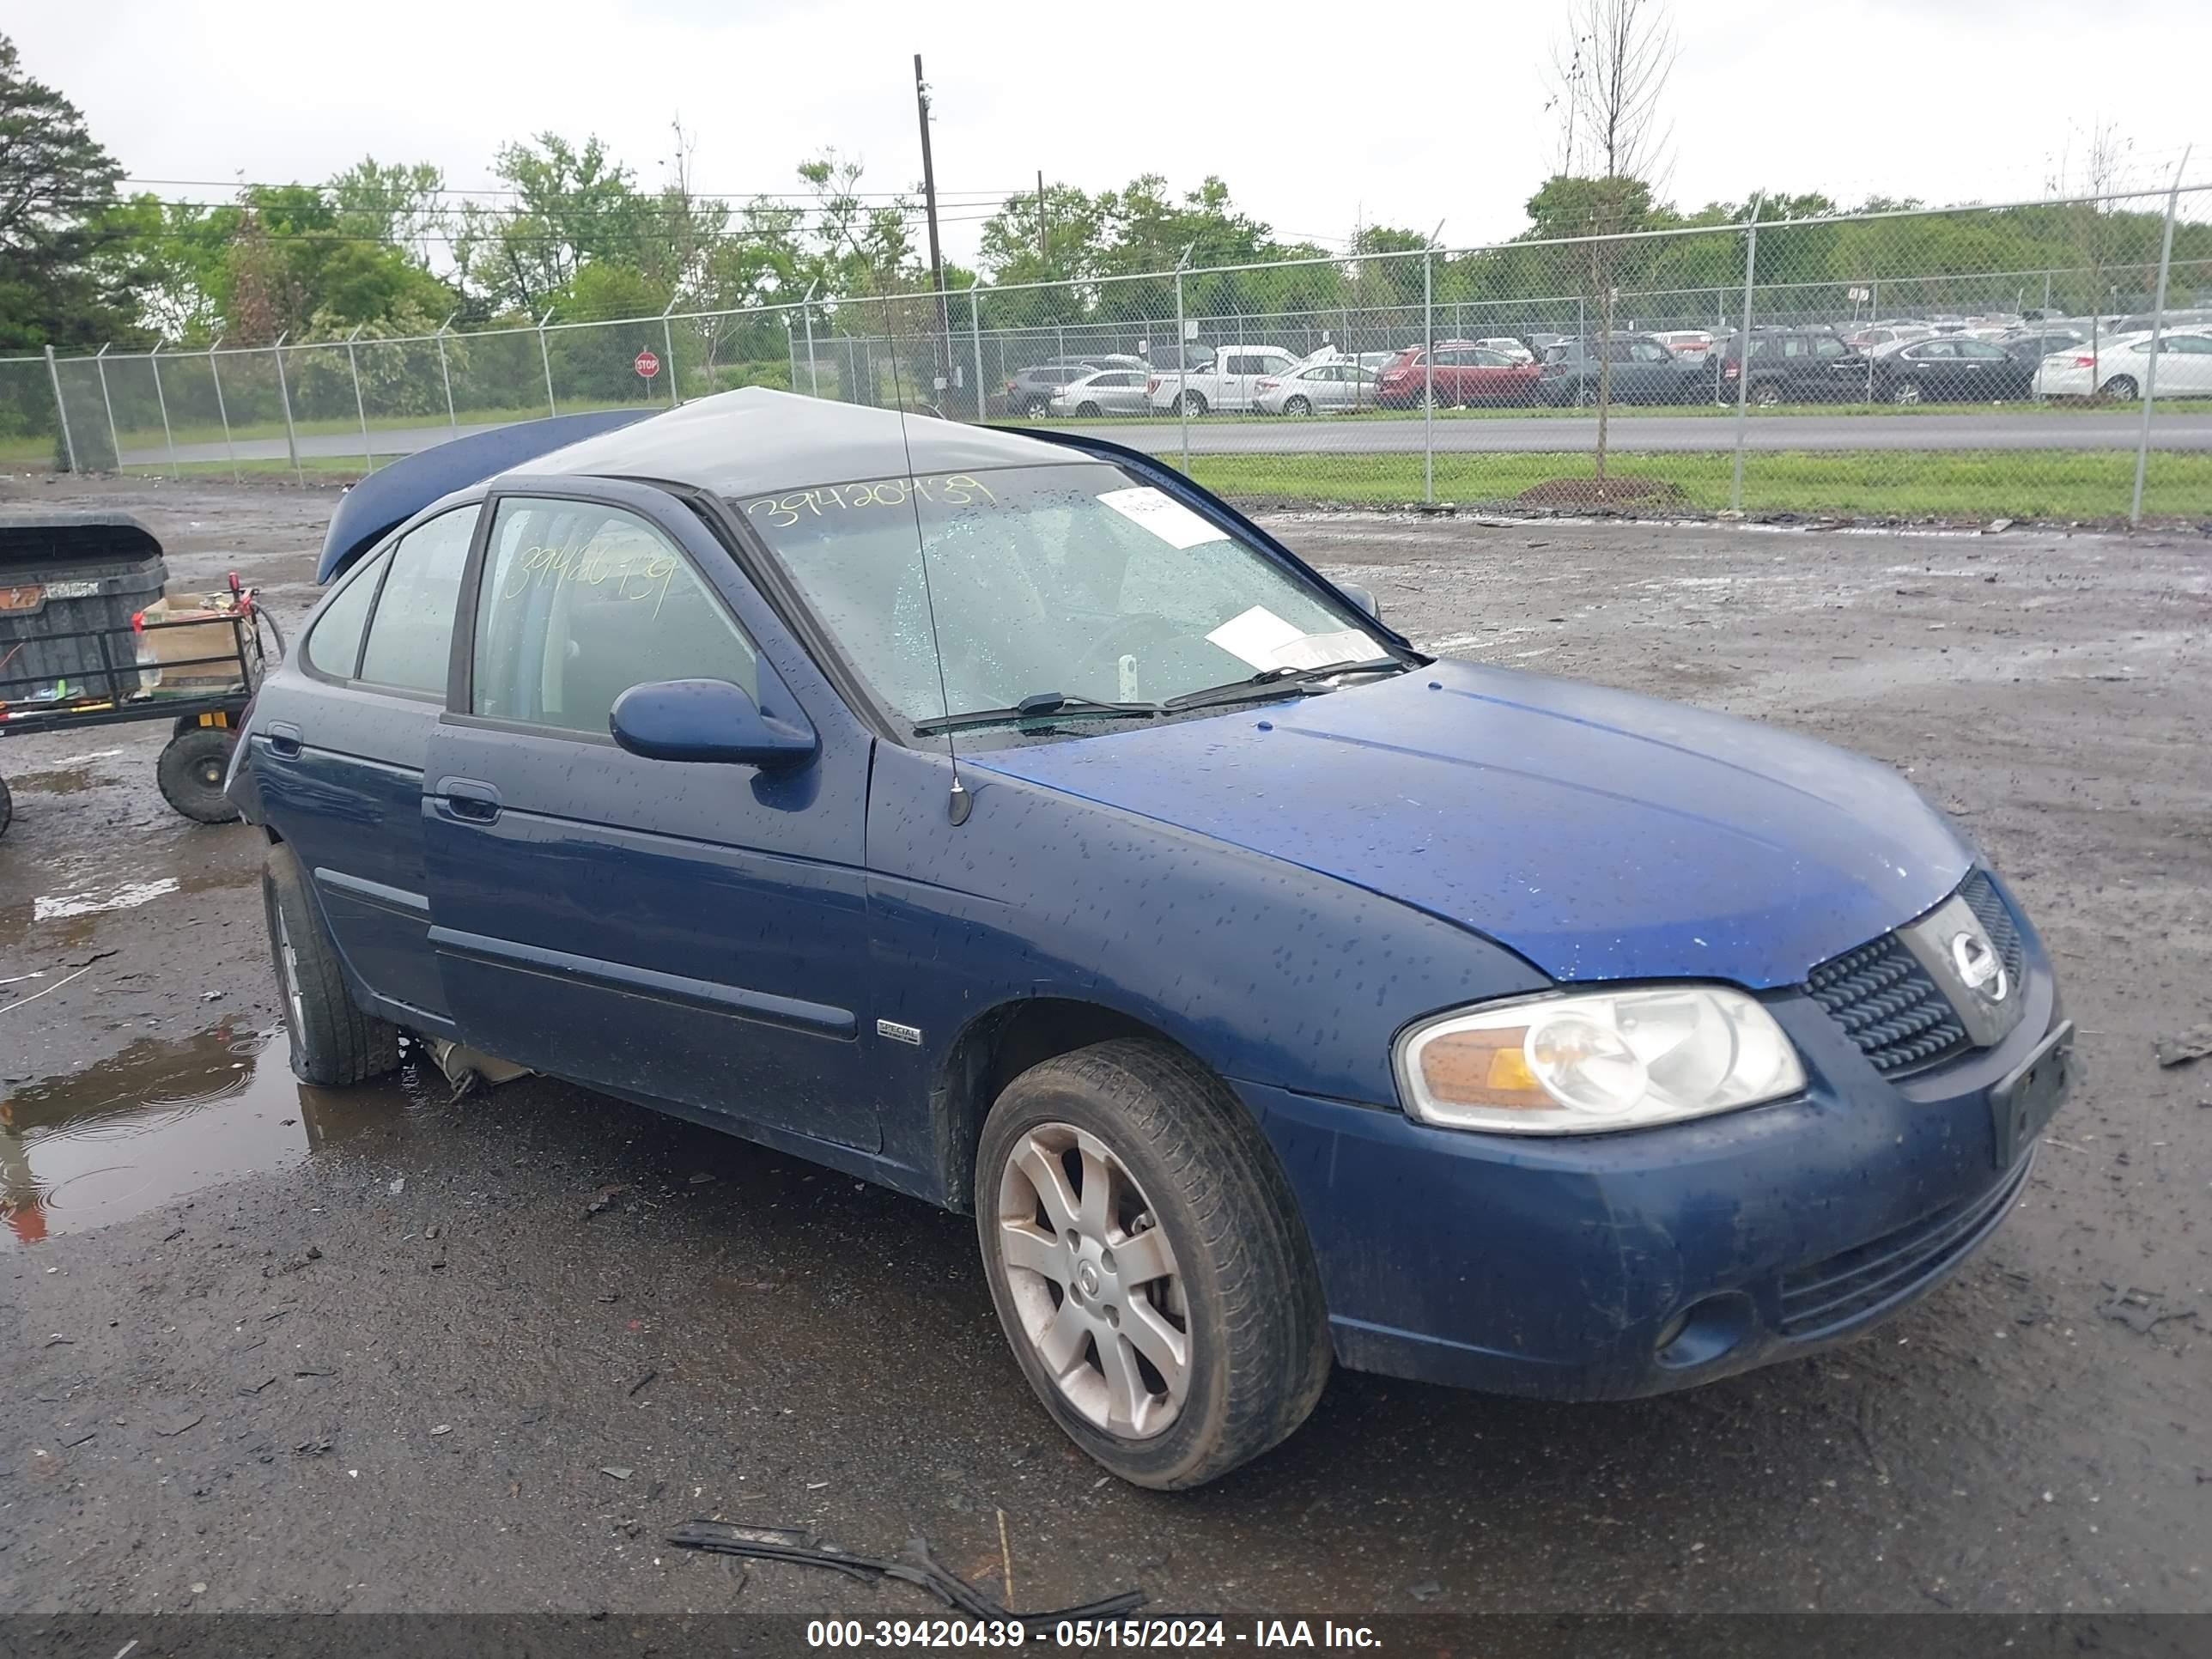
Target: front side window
x: 411, y: 634
x: 1080, y: 580
x: 580, y: 602
x: 1828, y: 346
x: 334, y: 646
x: 1648, y: 351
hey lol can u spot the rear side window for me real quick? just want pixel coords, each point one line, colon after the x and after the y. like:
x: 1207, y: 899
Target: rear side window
x: 411, y: 634
x: 580, y: 602
x: 334, y: 645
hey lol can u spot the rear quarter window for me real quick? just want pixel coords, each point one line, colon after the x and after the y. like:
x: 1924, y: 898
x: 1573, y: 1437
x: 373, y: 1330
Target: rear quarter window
x: 412, y: 633
x: 334, y: 642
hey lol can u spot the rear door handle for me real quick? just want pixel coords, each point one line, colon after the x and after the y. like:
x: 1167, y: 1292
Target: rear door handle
x: 284, y: 739
x: 478, y: 802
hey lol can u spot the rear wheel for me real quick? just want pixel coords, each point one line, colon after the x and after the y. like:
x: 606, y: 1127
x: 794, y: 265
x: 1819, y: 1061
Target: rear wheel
x: 1296, y: 406
x: 1767, y: 394
x: 1036, y: 409
x: 1147, y: 1264
x: 1193, y: 402
x: 1907, y: 392
x: 333, y: 1042
x: 2121, y: 387
x: 191, y: 773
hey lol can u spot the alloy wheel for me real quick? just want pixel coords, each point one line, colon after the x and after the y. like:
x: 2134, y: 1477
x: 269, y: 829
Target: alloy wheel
x: 1094, y: 1280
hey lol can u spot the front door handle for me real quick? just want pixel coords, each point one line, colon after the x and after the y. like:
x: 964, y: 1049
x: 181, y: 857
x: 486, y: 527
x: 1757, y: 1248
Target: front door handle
x: 467, y: 798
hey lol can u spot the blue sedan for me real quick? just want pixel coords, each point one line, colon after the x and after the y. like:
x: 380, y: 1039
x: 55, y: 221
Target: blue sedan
x: 1004, y: 819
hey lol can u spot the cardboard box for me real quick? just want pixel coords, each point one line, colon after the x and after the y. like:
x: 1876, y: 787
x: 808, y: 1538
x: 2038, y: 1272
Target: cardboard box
x: 161, y: 649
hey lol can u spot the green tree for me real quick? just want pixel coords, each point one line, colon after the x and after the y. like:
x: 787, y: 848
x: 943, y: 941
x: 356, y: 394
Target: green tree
x: 66, y: 243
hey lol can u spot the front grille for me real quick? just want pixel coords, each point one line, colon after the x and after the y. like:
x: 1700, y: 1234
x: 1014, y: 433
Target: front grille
x: 1981, y: 896
x: 1887, y: 1004
x: 1855, y: 1283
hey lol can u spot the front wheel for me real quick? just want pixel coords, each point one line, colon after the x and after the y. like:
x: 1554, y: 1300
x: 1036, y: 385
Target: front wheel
x: 333, y: 1042
x: 1087, y: 411
x: 191, y: 773
x: 1146, y: 1261
x: 7, y: 807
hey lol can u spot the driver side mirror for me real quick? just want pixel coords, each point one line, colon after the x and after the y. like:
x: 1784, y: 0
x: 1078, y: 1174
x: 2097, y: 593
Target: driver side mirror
x: 710, y: 720
x: 1362, y: 598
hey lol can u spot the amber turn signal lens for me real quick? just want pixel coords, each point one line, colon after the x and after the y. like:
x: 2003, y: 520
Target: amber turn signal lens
x: 1482, y: 1068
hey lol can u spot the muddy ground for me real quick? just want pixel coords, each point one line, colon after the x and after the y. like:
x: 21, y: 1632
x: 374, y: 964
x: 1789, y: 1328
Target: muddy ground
x: 377, y: 1352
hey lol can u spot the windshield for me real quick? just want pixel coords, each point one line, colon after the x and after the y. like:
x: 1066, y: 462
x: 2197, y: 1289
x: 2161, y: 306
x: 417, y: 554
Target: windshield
x: 1079, y: 579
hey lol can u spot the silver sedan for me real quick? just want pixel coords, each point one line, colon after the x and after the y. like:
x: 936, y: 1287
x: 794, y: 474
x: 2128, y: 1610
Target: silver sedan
x: 1109, y: 391
x: 1316, y: 388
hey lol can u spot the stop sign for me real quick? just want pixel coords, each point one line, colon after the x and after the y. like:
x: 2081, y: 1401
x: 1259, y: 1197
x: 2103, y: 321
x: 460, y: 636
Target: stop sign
x: 648, y: 364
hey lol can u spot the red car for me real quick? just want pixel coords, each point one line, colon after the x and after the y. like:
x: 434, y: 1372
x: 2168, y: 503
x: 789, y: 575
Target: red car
x: 1465, y: 374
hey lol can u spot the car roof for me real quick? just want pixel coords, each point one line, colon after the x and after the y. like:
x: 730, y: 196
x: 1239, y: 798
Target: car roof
x: 739, y: 443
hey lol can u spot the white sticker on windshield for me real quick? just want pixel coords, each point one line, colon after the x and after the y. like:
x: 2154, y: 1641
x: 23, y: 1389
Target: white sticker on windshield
x: 1263, y: 639
x: 1164, y: 516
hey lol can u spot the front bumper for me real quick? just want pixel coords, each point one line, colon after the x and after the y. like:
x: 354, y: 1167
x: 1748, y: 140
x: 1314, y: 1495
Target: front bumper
x: 1612, y: 1266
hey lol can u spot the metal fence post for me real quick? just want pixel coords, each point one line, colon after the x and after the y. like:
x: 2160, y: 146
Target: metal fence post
x: 1428, y: 379
x: 545, y: 356
x: 223, y: 409
x: 1743, y: 358
x: 168, y: 438
x: 446, y: 376
x: 975, y: 341
x: 806, y: 315
x: 1182, y: 372
x: 360, y: 408
x: 69, y: 443
x: 114, y: 439
x: 2157, y: 334
x: 284, y: 396
x: 668, y: 341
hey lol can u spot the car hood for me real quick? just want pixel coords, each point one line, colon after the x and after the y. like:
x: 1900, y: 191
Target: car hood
x: 1600, y: 835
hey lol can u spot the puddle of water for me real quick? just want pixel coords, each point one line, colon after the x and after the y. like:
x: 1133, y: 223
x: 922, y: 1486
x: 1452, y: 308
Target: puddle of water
x: 163, y: 1119
x: 59, y: 782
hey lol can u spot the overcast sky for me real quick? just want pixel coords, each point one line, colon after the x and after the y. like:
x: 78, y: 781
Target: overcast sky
x: 1319, y: 115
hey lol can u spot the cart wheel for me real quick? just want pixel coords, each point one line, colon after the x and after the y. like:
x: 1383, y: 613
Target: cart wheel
x: 192, y: 771
x: 7, y: 807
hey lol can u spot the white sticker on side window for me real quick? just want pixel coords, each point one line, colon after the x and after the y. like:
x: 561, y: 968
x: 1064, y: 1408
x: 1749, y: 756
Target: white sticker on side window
x: 1164, y: 516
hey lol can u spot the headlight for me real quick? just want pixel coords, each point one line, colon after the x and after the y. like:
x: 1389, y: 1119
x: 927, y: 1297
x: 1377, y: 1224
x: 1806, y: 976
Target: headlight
x: 1588, y: 1062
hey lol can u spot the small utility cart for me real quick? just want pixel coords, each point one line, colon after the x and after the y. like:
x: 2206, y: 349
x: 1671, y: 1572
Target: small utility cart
x: 89, y: 638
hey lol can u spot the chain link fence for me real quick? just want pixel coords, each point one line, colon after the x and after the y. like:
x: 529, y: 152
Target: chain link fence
x: 1937, y: 363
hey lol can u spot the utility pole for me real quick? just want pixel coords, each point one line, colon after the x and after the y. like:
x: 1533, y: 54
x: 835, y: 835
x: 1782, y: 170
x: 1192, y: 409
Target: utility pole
x: 929, y: 201
x: 1043, y: 257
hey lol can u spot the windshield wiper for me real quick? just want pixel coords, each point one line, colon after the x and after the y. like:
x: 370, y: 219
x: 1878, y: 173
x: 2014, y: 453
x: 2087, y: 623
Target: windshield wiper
x: 1039, y: 705
x: 1274, y: 681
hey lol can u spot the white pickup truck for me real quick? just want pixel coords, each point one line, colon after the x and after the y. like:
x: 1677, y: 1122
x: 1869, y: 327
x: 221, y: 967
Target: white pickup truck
x: 1225, y: 385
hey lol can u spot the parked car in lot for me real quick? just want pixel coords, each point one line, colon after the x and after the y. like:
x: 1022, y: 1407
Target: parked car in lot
x: 1510, y: 349
x: 1642, y: 371
x: 2119, y: 367
x: 1104, y: 392
x: 1317, y: 389
x: 1030, y: 392
x: 1462, y: 374
x: 1689, y: 345
x: 1787, y: 365
x: 2033, y: 345
x: 1948, y: 368
x: 1273, y: 993
x: 1225, y: 384
x: 1882, y: 334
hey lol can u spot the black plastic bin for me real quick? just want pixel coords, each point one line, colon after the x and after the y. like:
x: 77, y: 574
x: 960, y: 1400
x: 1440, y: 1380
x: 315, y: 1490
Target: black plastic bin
x: 69, y: 584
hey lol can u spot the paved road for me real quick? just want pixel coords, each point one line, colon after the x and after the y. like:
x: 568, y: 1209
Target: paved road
x: 2008, y: 430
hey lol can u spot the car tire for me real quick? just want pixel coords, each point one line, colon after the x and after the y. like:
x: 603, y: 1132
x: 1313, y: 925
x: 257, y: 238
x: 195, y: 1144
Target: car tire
x: 7, y: 807
x: 1036, y: 409
x: 333, y: 1042
x: 1906, y: 393
x: 1173, y: 1157
x: 1086, y: 411
x: 1767, y: 394
x: 2121, y: 388
x: 1297, y: 406
x: 190, y: 772
x: 1194, y: 403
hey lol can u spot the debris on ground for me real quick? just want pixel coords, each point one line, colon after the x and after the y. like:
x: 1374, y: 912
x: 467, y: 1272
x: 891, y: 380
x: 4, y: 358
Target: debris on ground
x: 917, y: 1566
x: 617, y: 1471
x: 604, y: 1199
x: 2143, y: 1311
x: 2194, y: 1043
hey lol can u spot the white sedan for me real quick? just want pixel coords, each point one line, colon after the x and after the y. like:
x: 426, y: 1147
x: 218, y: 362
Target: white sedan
x: 1316, y: 388
x: 2117, y: 366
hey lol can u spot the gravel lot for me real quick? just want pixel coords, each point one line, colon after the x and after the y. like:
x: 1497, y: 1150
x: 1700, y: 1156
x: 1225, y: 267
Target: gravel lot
x: 379, y: 1352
